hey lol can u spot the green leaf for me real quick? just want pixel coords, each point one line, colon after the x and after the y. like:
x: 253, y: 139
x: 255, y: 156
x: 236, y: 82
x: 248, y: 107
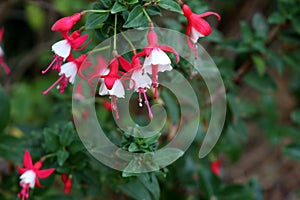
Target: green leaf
x: 295, y: 116
x: 96, y: 20
x: 153, y: 10
x: 151, y: 183
x: 4, y: 109
x: 170, y: 5
x: 136, y: 190
x: 62, y: 156
x: 236, y: 192
x: 293, y: 150
x: 51, y: 140
x: 166, y: 156
x: 260, y: 25
x: 172, y: 105
x: 259, y: 63
x: 35, y: 15
x: 131, y: 2
x: 246, y: 31
x: 118, y: 7
x: 263, y: 83
x: 136, y: 18
x: 276, y: 18
x: 67, y: 135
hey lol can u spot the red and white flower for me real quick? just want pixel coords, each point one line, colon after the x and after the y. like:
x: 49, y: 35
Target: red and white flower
x: 141, y: 82
x: 68, y: 73
x: 112, y: 84
x: 63, y: 48
x: 197, y: 26
x: 2, y: 62
x: 156, y: 59
x: 30, y: 175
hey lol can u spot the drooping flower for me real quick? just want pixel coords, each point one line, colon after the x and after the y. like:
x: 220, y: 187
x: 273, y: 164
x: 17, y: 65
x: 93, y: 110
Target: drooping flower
x: 215, y: 167
x: 112, y: 84
x: 2, y: 62
x: 197, y: 26
x: 140, y: 82
x: 68, y: 73
x: 156, y: 59
x: 67, y: 180
x: 30, y: 175
x: 63, y: 49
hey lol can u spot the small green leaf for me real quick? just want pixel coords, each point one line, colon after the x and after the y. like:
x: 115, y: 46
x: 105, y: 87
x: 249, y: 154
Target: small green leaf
x: 96, y: 20
x: 166, y: 156
x: 263, y: 83
x: 35, y: 15
x: 51, y: 140
x: 293, y: 150
x: 118, y: 7
x: 62, y: 156
x: 131, y: 2
x: 260, y: 25
x: 276, y: 18
x: 170, y: 5
x: 153, y: 10
x: 133, y: 147
x: 136, y: 18
x: 260, y: 64
x: 67, y: 135
x: 296, y: 116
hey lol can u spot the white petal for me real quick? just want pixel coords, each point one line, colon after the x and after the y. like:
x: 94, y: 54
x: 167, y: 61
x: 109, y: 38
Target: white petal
x: 141, y: 80
x: 117, y: 89
x: 1, y: 52
x: 28, y: 177
x: 157, y: 57
x: 195, y: 35
x: 103, y: 90
x: 62, y: 48
x: 161, y: 68
x: 70, y: 71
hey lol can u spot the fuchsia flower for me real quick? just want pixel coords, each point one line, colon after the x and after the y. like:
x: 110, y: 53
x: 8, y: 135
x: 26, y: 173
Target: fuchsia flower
x: 30, y: 175
x: 63, y: 49
x: 67, y: 180
x: 197, y: 26
x: 215, y: 167
x: 2, y: 62
x: 112, y: 84
x: 156, y: 59
x: 140, y: 82
x: 68, y: 73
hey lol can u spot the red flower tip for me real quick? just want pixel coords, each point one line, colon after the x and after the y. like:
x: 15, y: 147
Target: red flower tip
x: 124, y: 63
x: 1, y: 33
x: 107, y: 105
x: 152, y: 37
x: 65, y: 24
x: 186, y: 10
x: 215, y: 167
x: 68, y: 183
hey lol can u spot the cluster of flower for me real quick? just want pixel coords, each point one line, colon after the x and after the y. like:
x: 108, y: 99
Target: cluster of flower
x: 142, y: 76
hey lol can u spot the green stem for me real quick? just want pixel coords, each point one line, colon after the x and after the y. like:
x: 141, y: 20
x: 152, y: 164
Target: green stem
x: 148, y: 17
x: 115, y: 36
x: 48, y: 156
x: 99, y: 49
x: 130, y: 43
x: 94, y: 11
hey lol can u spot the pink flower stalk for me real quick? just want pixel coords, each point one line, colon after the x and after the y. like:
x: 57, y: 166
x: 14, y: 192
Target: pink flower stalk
x: 156, y: 59
x: 2, y: 62
x: 67, y: 180
x: 197, y: 26
x: 63, y: 49
x: 30, y: 175
x: 215, y: 167
x: 67, y: 73
x: 112, y: 84
x: 141, y: 82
